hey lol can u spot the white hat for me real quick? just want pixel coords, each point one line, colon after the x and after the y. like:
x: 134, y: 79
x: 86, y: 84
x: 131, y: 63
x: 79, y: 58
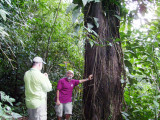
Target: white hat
x: 38, y: 60
x: 70, y: 71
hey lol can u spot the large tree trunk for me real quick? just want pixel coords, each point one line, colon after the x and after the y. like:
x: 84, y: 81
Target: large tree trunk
x: 102, y: 97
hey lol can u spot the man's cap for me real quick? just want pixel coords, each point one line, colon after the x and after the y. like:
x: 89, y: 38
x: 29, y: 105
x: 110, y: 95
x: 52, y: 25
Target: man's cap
x: 70, y: 71
x: 38, y: 60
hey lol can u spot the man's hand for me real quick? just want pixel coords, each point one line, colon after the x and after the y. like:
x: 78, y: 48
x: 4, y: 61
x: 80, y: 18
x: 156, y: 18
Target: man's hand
x: 84, y: 80
x: 46, y: 74
x: 90, y: 77
x: 58, y: 102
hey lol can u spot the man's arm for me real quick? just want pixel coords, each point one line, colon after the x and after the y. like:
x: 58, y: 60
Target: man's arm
x: 59, y: 87
x: 46, y: 84
x: 84, y: 80
x: 57, y: 101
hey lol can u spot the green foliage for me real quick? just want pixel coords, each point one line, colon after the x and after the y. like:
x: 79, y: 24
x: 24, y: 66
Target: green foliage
x: 6, y: 110
x: 141, y: 54
x: 140, y: 101
x: 47, y: 28
x: 38, y: 28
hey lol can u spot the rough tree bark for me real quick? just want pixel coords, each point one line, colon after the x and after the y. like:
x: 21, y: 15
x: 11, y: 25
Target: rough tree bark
x: 102, y: 97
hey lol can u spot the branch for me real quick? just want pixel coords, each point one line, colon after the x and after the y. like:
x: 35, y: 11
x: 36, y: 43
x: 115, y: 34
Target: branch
x: 7, y: 57
x: 52, y: 30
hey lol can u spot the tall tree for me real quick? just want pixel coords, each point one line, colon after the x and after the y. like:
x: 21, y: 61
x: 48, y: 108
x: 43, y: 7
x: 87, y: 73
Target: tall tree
x: 102, y: 98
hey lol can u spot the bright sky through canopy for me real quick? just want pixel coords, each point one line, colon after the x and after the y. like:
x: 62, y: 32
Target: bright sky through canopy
x: 69, y: 1
x: 142, y: 19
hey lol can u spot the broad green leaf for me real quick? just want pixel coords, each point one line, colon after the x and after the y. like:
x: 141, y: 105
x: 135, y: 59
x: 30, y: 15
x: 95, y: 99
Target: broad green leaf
x: 110, y: 44
x: 95, y: 33
x: 118, y: 40
x: 91, y: 43
x: 158, y: 8
x: 158, y: 35
x: 62, y: 65
x: 153, y: 28
x: 156, y: 103
x: 7, y: 117
x: 3, y: 14
x: 15, y: 115
x: 158, y: 96
x: 118, y: 17
x: 125, y: 115
x: 122, y: 81
x: 75, y: 14
x: 73, y: 34
x: 97, y: 0
x: 128, y: 64
x: 2, y: 32
x: 71, y: 7
x: 89, y: 30
x: 96, y: 22
x: 89, y: 25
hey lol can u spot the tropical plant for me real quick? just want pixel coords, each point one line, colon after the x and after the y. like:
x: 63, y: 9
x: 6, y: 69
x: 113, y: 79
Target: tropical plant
x: 6, y: 112
x: 69, y: 37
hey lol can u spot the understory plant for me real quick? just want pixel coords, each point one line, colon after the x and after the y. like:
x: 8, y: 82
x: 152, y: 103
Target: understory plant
x: 6, y: 105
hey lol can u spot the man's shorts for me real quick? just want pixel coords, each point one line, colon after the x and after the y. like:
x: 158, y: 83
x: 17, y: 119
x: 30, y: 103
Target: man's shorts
x: 39, y: 113
x: 66, y: 107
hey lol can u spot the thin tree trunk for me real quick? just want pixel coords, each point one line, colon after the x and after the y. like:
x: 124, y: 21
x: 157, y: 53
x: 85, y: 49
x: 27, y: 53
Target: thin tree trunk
x: 49, y: 38
x: 102, y: 97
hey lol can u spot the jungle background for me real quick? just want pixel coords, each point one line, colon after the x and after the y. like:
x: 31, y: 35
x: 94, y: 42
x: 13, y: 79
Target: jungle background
x: 54, y: 30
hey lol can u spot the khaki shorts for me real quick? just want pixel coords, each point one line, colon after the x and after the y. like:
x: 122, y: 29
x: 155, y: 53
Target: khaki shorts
x: 39, y: 113
x: 66, y: 107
